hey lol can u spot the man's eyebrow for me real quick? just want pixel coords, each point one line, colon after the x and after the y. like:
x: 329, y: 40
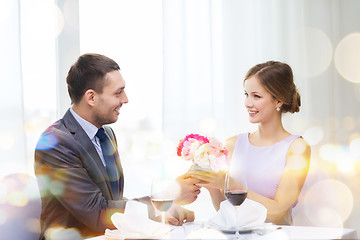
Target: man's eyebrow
x: 120, y: 89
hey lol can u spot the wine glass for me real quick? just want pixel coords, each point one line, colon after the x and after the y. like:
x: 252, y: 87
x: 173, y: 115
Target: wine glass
x: 235, y: 191
x: 162, y: 195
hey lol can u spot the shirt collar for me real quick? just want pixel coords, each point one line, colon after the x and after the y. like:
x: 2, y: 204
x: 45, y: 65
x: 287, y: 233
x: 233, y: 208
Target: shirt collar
x: 89, y: 128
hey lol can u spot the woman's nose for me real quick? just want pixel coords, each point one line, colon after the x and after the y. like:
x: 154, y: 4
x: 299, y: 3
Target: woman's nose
x: 248, y: 102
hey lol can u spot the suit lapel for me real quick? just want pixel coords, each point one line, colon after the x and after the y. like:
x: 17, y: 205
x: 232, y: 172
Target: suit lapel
x: 84, y: 140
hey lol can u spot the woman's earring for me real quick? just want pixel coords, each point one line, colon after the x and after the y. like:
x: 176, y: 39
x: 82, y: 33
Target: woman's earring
x: 278, y: 109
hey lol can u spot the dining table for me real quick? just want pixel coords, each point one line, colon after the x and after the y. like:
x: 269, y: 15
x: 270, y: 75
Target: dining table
x: 199, y: 230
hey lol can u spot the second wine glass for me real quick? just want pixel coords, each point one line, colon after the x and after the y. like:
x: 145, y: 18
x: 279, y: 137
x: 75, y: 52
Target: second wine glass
x: 236, y: 192
x: 162, y: 195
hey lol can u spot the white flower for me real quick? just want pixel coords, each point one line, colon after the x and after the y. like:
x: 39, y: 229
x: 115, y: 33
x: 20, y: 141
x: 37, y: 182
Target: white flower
x: 207, y: 153
x: 201, y: 156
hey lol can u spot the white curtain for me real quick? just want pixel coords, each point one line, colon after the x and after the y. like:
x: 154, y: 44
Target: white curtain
x: 208, y: 47
x: 12, y: 137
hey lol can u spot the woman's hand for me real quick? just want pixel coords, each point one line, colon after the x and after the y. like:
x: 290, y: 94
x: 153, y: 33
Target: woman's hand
x: 210, y: 179
x: 177, y: 215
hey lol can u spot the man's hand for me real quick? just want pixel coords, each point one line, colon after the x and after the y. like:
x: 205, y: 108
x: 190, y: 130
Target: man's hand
x: 177, y: 215
x: 189, y: 190
x: 209, y: 179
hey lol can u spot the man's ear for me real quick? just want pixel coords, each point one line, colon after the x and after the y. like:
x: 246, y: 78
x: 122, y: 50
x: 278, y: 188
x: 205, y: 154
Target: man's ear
x: 90, y: 97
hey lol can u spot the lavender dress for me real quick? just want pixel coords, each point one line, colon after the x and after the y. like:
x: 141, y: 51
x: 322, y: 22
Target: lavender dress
x: 262, y: 166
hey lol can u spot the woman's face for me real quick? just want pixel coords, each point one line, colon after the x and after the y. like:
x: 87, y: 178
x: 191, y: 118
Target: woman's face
x: 260, y: 104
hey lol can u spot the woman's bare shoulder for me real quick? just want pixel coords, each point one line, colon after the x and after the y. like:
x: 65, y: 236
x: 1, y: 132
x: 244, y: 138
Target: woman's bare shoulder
x: 300, y: 147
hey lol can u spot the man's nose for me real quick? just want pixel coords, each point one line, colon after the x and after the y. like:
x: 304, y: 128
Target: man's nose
x: 124, y: 99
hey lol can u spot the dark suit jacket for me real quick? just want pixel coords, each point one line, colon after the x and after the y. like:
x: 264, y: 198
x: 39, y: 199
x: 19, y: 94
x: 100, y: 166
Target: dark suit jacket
x: 74, y: 186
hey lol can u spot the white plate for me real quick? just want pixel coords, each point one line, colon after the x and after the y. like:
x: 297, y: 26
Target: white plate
x: 116, y: 234
x: 241, y: 230
x: 231, y: 230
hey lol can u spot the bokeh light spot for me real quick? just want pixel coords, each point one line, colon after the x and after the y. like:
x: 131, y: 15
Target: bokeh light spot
x: 319, y: 50
x: 47, y: 141
x: 60, y: 233
x: 330, y: 152
x: 7, y: 141
x: 57, y: 188
x: 3, y: 192
x: 43, y: 181
x: 329, y: 217
x: 328, y: 203
x: 17, y: 198
x: 33, y: 224
x: 59, y: 18
x: 346, y: 163
x: 347, y: 57
x: 349, y: 123
x: 354, y: 147
x: 336, y: 154
x: 297, y: 162
x: 314, y: 135
x: 298, y: 147
x: 3, y: 217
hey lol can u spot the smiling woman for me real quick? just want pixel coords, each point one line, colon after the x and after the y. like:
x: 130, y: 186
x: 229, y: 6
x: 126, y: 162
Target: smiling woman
x: 268, y: 158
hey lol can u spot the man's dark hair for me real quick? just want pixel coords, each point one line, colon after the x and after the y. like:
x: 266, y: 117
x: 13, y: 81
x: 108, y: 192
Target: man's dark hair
x: 88, y: 72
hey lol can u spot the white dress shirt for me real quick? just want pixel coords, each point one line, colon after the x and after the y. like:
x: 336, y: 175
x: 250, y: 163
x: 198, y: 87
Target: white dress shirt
x: 91, y: 131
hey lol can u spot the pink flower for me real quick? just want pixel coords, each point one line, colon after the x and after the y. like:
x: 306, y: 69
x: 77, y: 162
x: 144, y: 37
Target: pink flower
x: 189, y: 148
x: 206, y: 152
x: 191, y: 137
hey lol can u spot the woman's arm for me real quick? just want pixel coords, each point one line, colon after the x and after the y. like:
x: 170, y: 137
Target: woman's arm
x: 291, y: 182
x: 217, y: 196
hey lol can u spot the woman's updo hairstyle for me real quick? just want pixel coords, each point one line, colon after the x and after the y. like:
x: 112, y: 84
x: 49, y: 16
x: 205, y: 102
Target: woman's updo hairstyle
x: 277, y: 79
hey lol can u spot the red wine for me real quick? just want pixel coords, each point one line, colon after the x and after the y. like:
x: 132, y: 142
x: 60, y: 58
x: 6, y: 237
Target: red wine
x: 236, y: 197
x: 162, y: 204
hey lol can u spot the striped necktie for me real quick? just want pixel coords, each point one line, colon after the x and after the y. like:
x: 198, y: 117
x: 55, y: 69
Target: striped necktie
x: 108, y: 151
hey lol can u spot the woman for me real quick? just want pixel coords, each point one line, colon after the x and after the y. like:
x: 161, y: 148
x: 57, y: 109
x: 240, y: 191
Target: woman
x: 274, y: 161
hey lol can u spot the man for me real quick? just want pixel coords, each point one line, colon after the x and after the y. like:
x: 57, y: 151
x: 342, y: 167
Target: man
x: 81, y: 183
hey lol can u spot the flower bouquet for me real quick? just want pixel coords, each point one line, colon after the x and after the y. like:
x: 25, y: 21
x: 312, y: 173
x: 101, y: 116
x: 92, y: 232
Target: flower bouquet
x: 207, y: 154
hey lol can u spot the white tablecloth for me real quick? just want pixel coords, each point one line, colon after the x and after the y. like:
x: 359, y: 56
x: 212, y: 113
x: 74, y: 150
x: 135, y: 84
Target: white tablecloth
x: 297, y: 232
x: 285, y: 233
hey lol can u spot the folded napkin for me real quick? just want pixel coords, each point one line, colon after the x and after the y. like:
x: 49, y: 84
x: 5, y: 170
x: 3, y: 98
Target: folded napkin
x: 134, y: 223
x: 249, y: 214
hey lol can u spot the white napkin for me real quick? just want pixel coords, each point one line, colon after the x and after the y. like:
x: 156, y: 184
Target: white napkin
x: 249, y: 214
x: 134, y: 223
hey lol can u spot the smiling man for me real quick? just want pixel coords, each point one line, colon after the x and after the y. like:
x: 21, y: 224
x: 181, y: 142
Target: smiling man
x: 77, y: 164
